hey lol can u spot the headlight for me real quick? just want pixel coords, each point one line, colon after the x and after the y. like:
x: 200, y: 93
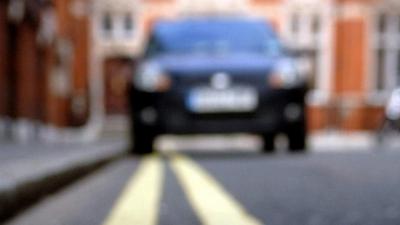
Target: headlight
x: 284, y: 76
x: 151, y: 78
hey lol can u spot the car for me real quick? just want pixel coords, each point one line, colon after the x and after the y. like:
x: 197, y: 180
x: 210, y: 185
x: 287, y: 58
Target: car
x: 208, y: 75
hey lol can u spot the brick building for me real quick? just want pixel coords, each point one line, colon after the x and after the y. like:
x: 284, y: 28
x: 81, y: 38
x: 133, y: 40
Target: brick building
x: 64, y: 63
x: 43, y: 68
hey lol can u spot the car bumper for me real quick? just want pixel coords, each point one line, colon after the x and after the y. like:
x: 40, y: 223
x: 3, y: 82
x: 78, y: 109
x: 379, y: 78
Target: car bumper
x: 166, y: 113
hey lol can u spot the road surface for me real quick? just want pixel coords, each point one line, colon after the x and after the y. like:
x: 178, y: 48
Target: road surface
x: 337, y: 188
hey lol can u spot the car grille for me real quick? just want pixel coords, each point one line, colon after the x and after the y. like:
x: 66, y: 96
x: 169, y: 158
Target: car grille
x: 193, y: 80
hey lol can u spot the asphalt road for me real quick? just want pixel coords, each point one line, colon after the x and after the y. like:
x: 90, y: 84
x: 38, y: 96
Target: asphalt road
x: 223, y: 188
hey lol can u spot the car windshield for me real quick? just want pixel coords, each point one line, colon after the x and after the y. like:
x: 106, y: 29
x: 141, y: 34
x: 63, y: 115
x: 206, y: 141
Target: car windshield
x: 213, y: 36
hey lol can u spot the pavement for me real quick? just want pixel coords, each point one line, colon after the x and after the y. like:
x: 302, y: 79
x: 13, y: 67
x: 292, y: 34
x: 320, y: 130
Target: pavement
x: 327, y: 141
x: 30, y: 171
x: 342, y: 141
x: 319, y: 141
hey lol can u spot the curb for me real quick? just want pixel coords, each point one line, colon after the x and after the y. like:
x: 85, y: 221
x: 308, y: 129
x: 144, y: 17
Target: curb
x: 21, y: 191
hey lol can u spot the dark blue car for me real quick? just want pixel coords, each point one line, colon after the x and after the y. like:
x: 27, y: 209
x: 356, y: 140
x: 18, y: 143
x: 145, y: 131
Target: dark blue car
x: 216, y: 75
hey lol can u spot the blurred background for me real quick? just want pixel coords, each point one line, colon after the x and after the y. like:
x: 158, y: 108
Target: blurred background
x: 65, y: 64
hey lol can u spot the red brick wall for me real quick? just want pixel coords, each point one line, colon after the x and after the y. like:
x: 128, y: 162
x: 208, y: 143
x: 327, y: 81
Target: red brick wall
x: 75, y: 30
x: 373, y: 117
x: 79, y: 34
x: 26, y: 61
x: 3, y: 58
x: 47, y: 60
x: 317, y: 117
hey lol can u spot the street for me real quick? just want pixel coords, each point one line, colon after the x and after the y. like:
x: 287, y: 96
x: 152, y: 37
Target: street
x: 354, y: 187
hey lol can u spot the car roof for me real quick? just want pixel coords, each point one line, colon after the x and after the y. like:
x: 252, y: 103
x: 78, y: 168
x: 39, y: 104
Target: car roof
x: 213, y: 21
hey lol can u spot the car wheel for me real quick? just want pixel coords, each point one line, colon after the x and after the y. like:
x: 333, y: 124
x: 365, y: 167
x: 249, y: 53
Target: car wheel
x: 297, y: 137
x: 143, y: 138
x: 269, y: 143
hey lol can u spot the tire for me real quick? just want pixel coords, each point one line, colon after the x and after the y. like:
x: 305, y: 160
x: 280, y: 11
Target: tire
x: 269, y: 143
x: 297, y: 137
x: 142, y: 138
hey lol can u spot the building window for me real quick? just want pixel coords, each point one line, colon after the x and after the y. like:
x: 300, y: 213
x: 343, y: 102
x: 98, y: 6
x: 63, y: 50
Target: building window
x: 398, y: 24
x: 295, y: 24
x: 380, y: 70
x: 398, y: 69
x: 316, y: 24
x: 387, y: 53
x: 382, y: 22
x: 128, y: 25
x: 107, y: 24
x: 306, y: 41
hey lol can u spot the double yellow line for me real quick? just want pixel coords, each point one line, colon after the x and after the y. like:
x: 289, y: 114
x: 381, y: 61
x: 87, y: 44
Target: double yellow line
x: 139, y: 203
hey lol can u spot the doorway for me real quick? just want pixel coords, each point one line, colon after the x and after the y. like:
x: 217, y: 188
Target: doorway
x: 117, y: 72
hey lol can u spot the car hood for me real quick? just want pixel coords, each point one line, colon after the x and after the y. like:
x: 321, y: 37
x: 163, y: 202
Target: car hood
x: 198, y: 64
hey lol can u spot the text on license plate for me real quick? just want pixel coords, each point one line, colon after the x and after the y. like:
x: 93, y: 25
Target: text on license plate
x: 208, y: 100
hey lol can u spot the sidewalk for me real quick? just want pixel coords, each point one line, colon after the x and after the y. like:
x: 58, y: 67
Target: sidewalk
x: 349, y: 141
x: 31, y: 170
x: 321, y: 141
x: 342, y: 141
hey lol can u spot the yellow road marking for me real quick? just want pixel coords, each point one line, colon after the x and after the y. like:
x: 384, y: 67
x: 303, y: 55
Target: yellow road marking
x: 139, y: 202
x: 212, y: 204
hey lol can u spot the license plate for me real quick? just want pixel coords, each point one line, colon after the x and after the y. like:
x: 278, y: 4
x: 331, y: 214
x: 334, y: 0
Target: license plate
x: 208, y: 100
